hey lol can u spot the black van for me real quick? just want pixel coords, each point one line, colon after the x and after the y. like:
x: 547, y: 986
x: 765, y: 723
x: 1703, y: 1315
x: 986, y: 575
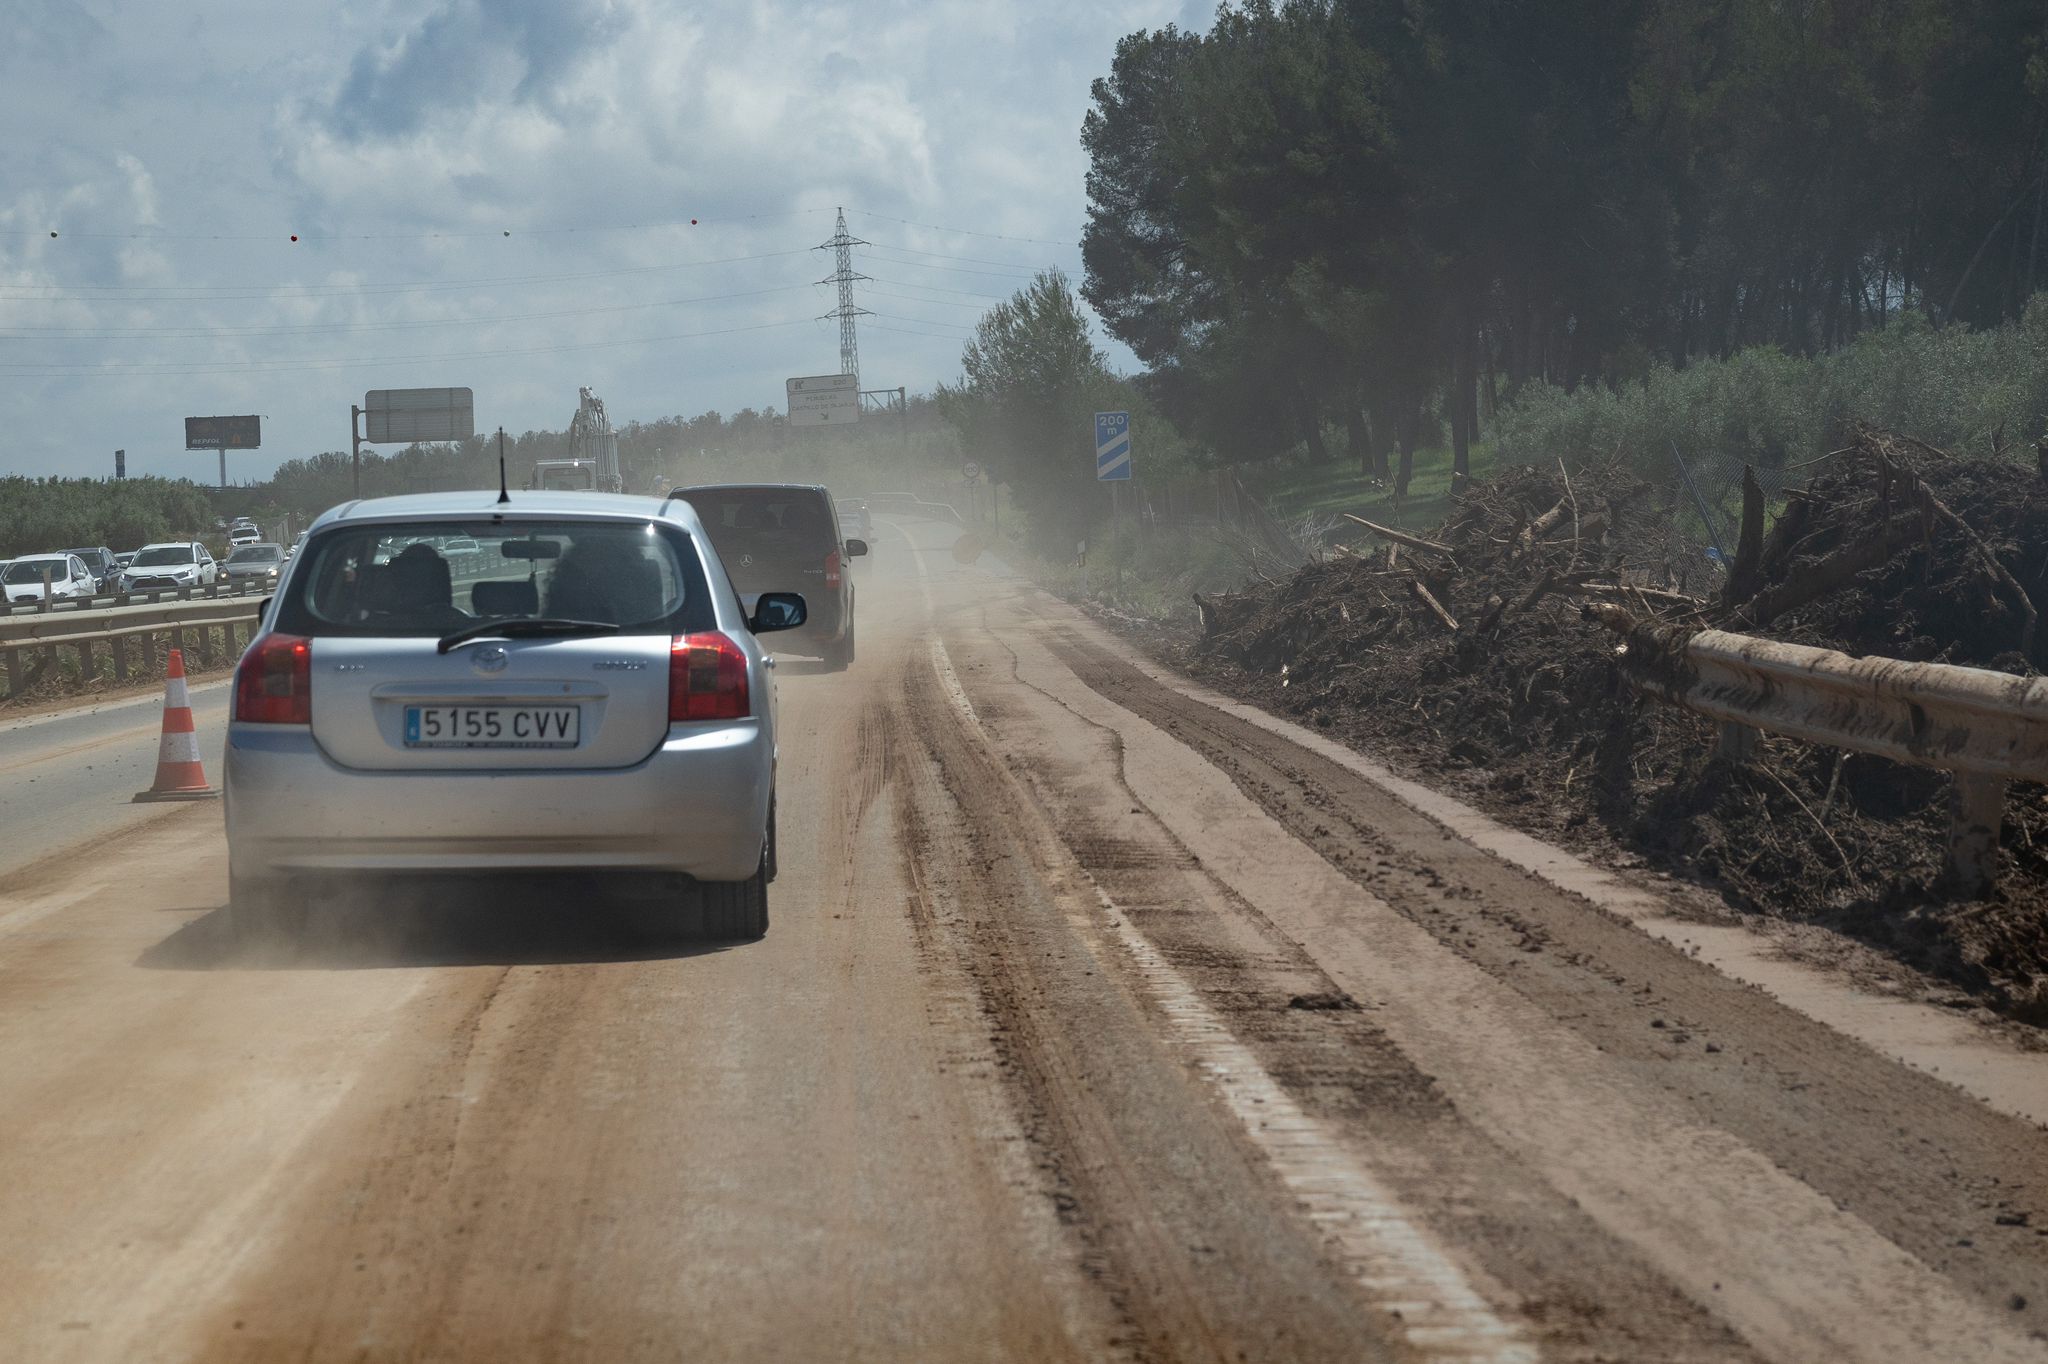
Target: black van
x: 101, y: 563
x: 786, y: 537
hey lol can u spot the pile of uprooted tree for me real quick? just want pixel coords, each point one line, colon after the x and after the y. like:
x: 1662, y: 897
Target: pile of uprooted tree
x: 1466, y: 652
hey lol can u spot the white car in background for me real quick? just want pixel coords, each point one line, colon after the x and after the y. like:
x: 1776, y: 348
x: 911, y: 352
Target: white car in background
x: 67, y: 574
x: 171, y: 564
x: 595, y: 702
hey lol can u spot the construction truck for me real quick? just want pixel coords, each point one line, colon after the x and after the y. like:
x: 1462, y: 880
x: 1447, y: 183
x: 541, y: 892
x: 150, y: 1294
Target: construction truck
x: 593, y: 461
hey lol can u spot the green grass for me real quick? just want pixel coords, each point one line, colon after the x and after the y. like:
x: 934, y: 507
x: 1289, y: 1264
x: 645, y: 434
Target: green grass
x: 1295, y: 490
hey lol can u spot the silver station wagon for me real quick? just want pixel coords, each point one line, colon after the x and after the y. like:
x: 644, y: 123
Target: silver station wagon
x: 577, y: 689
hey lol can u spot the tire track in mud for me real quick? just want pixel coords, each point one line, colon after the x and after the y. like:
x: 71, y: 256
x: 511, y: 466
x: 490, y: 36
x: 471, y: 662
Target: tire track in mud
x: 1951, y: 1182
x: 1194, y: 1242
x: 348, y: 1268
x: 1582, y: 1292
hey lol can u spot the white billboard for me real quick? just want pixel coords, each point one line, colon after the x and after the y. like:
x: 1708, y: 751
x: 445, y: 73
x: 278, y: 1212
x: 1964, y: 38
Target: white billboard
x: 824, y: 400
x: 400, y: 416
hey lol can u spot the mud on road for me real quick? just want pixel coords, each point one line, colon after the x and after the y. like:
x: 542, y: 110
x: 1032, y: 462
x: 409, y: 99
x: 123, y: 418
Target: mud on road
x: 1097, y: 1020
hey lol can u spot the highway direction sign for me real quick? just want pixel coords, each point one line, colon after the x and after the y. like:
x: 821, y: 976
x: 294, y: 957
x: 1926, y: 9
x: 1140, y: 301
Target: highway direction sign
x: 824, y: 400
x: 1112, y: 446
x: 400, y: 416
x: 223, y: 433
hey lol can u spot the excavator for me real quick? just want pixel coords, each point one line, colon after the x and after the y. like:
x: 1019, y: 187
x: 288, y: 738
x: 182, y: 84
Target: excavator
x: 593, y: 463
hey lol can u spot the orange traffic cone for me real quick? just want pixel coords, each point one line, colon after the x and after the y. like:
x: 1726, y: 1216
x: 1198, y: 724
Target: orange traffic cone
x: 179, y: 775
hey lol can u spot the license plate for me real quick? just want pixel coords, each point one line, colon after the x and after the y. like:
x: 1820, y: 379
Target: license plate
x: 492, y: 726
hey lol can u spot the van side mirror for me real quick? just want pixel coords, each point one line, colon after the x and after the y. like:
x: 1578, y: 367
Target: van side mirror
x: 856, y: 548
x: 778, y: 611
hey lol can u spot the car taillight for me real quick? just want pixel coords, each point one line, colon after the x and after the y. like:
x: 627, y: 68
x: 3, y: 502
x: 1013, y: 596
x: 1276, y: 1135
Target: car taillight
x: 707, y: 678
x: 832, y: 569
x: 274, y: 682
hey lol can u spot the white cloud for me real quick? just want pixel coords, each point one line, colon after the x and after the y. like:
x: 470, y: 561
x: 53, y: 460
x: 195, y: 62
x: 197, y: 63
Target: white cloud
x: 141, y: 189
x: 180, y: 150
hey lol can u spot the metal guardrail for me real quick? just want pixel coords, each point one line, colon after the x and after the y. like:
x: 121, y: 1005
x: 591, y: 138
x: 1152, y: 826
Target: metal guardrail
x: 134, y: 637
x: 1987, y: 728
x: 910, y: 504
x: 223, y: 588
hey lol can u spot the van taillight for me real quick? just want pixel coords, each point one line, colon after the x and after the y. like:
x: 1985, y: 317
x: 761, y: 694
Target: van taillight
x: 707, y: 678
x: 832, y: 569
x: 274, y: 682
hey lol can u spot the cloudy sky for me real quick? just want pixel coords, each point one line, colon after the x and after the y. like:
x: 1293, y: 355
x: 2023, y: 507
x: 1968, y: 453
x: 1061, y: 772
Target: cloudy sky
x: 500, y: 194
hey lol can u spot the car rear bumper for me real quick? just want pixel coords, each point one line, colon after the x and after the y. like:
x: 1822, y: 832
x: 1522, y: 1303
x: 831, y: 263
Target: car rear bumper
x: 824, y: 627
x: 698, y: 807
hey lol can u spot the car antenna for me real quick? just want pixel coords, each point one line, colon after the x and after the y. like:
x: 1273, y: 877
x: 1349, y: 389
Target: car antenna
x: 504, y: 495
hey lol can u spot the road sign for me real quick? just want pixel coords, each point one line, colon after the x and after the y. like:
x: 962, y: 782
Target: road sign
x: 970, y: 471
x: 400, y: 416
x: 824, y: 400
x: 223, y: 433
x: 1112, y: 446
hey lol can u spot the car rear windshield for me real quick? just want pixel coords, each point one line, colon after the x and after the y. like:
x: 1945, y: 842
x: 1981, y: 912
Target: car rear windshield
x: 399, y: 580
x: 256, y: 554
x: 32, y: 570
x: 163, y: 554
x: 737, y: 518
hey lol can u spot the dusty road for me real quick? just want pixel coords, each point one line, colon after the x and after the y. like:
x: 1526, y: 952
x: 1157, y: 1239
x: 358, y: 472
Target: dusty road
x: 1098, y: 1019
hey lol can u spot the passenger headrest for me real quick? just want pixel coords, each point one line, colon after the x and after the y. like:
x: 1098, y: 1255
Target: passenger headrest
x: 498, y: 599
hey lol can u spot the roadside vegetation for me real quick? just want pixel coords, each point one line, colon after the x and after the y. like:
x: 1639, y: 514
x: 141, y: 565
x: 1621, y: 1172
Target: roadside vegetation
x: 1359, y: 252
x: 42, y: 514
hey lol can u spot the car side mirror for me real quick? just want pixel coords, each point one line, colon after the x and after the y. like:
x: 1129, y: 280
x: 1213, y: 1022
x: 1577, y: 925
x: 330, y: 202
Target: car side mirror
x: 778, y: 611
x: 856, y: 548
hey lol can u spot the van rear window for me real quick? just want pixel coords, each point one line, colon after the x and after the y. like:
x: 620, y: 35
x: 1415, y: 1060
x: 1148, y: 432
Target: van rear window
x: 733, y: 516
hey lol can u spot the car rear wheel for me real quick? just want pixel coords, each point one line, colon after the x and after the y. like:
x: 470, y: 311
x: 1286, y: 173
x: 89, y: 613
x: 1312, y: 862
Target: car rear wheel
x: 839, y: 654
x: 264, y: 907
x: 735, y: 910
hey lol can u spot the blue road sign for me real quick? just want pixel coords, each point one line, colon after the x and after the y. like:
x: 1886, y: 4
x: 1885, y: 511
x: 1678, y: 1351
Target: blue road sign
x: 1112, y: 446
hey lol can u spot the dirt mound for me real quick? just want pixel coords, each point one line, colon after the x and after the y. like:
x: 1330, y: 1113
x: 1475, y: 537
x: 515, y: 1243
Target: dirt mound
x: 1900, y: 550
x: 1467, y: 651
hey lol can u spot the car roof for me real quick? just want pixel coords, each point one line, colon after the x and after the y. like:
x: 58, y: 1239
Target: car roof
x: 524, y: 505
x: 45, y: 554
x: 169, y: 544
x: 752, y: 488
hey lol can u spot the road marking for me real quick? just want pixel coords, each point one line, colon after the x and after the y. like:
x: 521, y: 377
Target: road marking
x: 1400, y: 1269
x: 85, y: 708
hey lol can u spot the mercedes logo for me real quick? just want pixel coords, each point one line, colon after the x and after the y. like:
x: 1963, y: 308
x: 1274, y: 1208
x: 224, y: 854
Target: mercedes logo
x: 746, y: 561
x: 489, y: 659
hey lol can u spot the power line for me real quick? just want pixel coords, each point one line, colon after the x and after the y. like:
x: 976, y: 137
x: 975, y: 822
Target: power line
x: 971, y: 260
x: 925, y: 321
x: 155, y: 293
x: 957, y: 270
x: 936, y: 288
x: 905, y: 331
x: 287, y: 236
x: 935, y: 302
x: 961, y: 231
x: 194, y: 368
x: 316, y: 329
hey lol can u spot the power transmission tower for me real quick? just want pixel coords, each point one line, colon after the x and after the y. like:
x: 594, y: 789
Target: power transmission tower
x: 841, y: 246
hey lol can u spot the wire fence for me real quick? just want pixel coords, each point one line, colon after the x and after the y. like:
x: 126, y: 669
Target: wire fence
x: 1216, y: 502
x: 1705, y: 500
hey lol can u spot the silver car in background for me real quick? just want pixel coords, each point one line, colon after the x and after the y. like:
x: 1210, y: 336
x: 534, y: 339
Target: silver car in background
x: 591, y: 698
x: 258, y: 562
